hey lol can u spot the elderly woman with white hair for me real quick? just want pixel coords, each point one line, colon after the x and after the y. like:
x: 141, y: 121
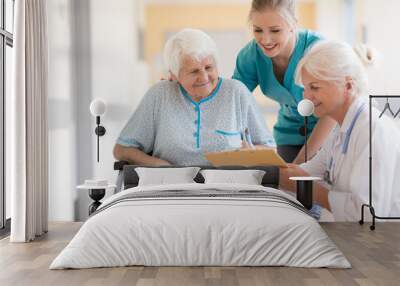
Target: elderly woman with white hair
x: 178, y: 121
x: 335, y: 81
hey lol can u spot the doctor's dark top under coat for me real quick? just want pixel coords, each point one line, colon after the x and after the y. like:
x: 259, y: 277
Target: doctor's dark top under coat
x: 175, y: 128
x: 254, y: 68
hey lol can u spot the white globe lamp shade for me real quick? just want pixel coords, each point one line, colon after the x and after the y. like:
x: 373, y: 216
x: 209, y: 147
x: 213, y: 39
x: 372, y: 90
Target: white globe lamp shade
x: 97, y: 107
x: 305, y: 107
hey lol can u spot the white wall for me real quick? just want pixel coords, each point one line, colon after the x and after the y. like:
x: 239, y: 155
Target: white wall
x: 382, y: 24
x: 93, y: 54
x: 62, y: 122
x: 337, y: 19
x: 117, y: 75
x: 330, y: 19
x: 380, y: 20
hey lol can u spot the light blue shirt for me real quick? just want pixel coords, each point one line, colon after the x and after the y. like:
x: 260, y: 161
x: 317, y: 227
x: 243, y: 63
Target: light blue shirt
x: 175, y: 128
x: 254, y: 68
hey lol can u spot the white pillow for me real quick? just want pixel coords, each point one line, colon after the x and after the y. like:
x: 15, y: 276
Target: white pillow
x: 163, y: 176
x: 248, y: 177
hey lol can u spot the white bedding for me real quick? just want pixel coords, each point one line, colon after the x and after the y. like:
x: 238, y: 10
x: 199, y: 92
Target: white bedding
x: 200, y: 231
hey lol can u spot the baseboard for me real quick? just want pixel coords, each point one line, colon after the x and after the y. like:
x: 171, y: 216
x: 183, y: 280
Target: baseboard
x: 5, y: 231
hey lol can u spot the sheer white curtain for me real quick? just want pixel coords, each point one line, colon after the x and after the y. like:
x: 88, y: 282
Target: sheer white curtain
x: 28, y: 151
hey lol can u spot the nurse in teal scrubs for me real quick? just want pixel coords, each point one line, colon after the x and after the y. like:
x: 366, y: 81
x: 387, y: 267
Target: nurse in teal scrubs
x: 270, y: 60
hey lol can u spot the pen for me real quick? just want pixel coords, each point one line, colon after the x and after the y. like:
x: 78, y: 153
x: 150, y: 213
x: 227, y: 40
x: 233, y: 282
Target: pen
x: 247, y: 138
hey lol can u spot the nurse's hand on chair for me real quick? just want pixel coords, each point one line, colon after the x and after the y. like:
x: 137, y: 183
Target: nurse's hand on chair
x: 169, y: 77
x: 292, y: 170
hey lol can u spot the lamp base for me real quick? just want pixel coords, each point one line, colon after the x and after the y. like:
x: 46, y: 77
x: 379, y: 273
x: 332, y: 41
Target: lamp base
x: 304, y: 193
x: 100, y: 130
x: 96, y: 195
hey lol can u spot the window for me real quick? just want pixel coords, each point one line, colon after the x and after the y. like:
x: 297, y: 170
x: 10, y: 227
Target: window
x: 6, y: 44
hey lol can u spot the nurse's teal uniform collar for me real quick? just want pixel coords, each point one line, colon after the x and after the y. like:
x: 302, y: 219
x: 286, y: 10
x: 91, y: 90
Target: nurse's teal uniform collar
x: 211, y: 96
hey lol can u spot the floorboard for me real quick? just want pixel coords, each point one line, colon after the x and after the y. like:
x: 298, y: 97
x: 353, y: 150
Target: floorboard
x: 374, y: 255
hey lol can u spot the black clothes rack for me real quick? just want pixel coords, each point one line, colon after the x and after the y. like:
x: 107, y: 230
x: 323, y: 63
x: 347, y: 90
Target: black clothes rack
x: 370, y: 204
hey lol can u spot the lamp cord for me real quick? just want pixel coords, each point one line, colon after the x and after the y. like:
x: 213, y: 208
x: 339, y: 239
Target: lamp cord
x: 97, y: 133
x: 305, y: 143
x: 98, y: 145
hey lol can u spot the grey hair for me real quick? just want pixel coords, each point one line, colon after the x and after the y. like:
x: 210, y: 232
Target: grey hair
x: 334, y: 61
x: 286, y: 8
x: 188, y: 42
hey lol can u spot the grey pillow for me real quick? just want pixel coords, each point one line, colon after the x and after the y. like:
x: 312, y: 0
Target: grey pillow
x: 163, y: 176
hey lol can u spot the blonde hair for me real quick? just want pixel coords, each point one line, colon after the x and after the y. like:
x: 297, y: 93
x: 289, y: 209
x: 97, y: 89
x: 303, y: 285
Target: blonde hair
x: 334, y: 61
x: 286, y: 8
x: 188, y: 42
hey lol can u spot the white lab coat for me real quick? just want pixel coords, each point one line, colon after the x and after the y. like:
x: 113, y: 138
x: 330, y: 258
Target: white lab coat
x: 350, y: 188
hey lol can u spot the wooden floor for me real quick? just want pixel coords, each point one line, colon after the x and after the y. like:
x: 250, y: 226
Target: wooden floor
x: 374, y: 255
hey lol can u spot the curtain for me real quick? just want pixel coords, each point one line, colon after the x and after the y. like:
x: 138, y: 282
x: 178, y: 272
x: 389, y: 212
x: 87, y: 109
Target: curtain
x: 29, y: 149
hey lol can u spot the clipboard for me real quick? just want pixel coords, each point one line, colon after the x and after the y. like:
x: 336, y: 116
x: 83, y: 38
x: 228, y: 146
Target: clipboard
x: 246, y: 157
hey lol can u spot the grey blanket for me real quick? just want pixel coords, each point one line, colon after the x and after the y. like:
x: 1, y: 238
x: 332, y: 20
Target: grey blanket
x: 204, y: 194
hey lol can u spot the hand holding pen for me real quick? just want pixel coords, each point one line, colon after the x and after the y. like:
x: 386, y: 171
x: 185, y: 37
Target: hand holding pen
x: 246, y: 139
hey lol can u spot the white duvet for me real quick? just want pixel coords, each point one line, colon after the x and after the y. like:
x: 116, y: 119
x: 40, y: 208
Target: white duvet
x: 200, y: 231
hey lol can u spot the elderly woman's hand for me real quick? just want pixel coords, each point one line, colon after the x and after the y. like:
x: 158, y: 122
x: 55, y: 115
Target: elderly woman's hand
x: 246, y: 145
x: 161, y: 162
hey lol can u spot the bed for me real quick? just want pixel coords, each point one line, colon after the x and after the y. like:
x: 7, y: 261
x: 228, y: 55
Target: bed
x: 200, y: 224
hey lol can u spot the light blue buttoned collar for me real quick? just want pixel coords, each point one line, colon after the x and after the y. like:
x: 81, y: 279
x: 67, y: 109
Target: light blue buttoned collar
x: 211, y: 96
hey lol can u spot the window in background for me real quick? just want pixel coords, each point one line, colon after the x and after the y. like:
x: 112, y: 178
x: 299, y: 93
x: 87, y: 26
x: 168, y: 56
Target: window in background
x: 351, y: 21
x: 9, y: 12
x: 8, y: 85
x: 6, y: 44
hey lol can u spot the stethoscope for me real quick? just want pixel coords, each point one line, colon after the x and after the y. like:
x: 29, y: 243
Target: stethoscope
x: 329, y: 175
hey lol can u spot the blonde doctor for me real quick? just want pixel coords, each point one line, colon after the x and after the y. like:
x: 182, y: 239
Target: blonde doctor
x: 335, y: 81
